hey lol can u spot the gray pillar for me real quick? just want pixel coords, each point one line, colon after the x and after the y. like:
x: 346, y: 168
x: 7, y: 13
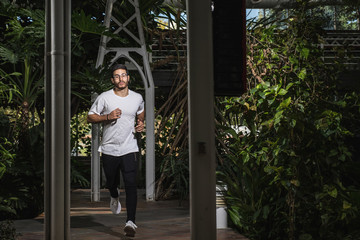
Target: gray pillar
x: 201, y: 121
x: 57, y: 122
x: 95, y: 158
x: 150, y: 132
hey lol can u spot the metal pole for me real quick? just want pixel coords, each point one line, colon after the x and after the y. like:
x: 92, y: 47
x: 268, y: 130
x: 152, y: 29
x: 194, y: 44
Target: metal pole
x: 95, y: 159
x: 47, y: 139
x: 57, y: 124
x: 201, y: 120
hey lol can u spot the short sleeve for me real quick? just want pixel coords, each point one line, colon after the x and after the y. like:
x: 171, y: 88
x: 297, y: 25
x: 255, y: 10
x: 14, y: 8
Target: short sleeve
x: 98, y: 106
x: 141, y: 106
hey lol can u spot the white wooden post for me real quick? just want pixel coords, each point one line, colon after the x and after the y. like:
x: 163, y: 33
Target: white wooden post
x: 95, y: 158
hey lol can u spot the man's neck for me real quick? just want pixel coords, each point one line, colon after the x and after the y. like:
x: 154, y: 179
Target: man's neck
x: 121, y: 92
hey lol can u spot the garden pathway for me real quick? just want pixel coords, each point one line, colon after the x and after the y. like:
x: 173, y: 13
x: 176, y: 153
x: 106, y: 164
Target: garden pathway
x: 160, y: 220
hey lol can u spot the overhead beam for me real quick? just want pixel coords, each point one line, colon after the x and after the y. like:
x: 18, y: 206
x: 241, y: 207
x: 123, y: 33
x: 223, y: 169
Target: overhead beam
x: 269, y: 4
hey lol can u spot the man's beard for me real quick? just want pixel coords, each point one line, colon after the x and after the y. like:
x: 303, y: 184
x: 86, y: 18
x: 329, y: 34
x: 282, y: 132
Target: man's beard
x: 119, y: 88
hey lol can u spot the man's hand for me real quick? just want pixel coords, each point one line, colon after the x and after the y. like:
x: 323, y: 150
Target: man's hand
x: 115, y: 114
x: 139, y: 126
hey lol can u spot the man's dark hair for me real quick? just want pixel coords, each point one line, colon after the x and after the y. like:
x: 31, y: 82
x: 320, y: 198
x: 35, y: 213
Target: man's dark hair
x: 119, y: 66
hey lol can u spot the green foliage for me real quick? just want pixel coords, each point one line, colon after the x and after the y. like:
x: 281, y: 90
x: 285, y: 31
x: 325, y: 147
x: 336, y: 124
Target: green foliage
x: 6, y: 161
x: 85, y: 24
x: 29, y: 84
x: 23, y: 180
x: 290, y: 177
x: 176, y: 168
x: 87, y: 81
x: 344, y: 17
x: 7, y: 230
x: 6, y: 91
x: 80, y: 139
x: 78, y: 178
x: 171, y: 138
x: 81, y: 146
x: 24, y: 35
x: 21, y: 50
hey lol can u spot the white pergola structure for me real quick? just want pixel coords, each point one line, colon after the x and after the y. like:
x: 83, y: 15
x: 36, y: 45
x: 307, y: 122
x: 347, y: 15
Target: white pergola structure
x: 117, y: 27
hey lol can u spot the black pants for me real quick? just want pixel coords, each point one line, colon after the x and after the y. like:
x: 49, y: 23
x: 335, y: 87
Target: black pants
x: 128, y: 165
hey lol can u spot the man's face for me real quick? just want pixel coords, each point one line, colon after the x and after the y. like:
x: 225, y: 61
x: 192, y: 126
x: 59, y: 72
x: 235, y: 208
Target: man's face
x: 120, y: 79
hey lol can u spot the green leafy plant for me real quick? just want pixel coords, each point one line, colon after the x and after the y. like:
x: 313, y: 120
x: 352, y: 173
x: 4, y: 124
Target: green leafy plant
x: 7, y: 230
x: 287, y: 175
x: 81, y: 146
x: 6, y: 161
x: 176, y: 168
x: 24, y: 187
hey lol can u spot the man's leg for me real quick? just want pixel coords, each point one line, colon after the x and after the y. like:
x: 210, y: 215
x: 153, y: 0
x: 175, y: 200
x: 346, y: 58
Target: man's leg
x: 111, y: 166
x: 129, y: 171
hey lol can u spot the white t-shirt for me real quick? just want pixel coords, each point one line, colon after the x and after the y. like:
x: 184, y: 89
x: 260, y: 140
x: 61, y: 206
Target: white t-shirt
x: 118, y: 136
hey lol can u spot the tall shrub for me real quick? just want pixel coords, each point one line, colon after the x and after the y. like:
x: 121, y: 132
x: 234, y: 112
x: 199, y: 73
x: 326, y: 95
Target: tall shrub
x: 289, y: 176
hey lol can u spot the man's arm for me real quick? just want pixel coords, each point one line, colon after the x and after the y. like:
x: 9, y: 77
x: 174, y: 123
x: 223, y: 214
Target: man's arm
x: 140, y: 122
x: 141, y: 116
x: 95, y: 118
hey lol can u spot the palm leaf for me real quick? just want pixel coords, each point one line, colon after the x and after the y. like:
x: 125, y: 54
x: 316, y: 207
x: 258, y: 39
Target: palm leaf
x: 86, y: 24
x: 7, y: 55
